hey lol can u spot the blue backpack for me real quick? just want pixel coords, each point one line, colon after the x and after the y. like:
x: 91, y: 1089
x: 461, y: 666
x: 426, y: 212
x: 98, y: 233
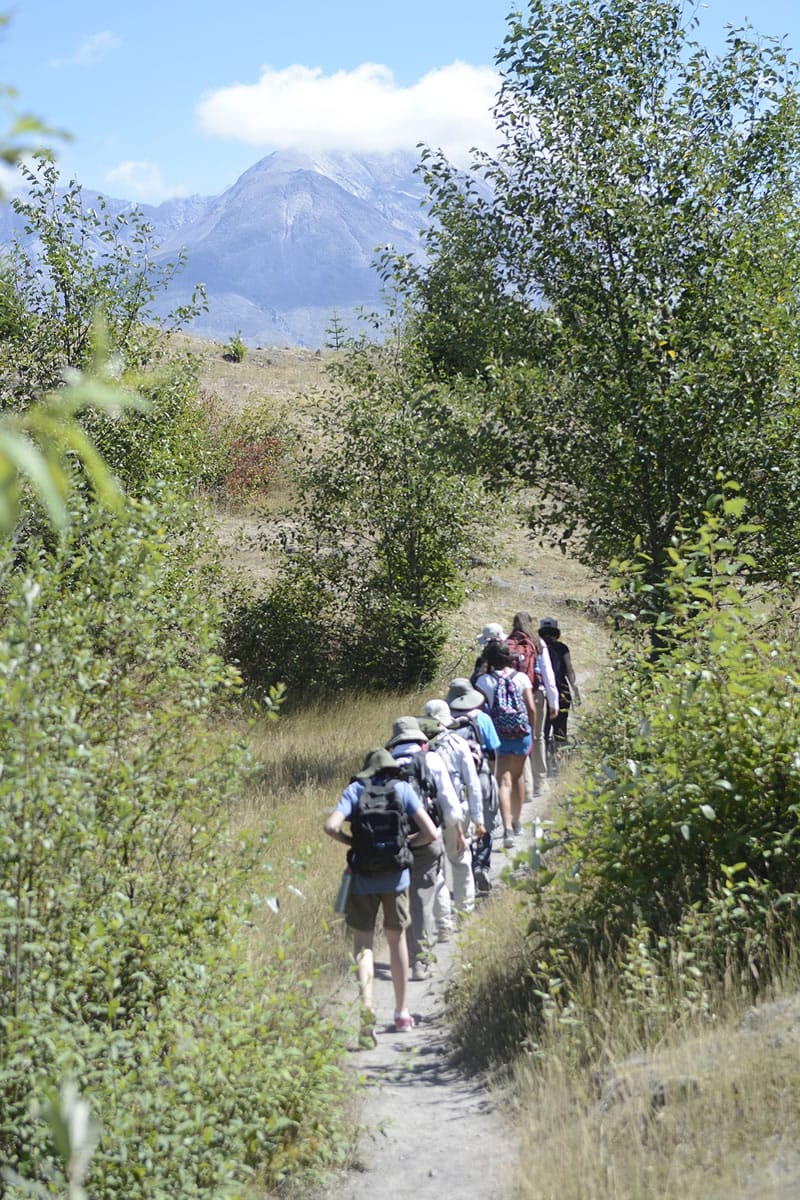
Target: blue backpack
x: 507, y: 710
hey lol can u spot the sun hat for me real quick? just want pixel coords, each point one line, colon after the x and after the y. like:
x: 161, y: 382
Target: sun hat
x: 406, y: 729
x: 549, y: 625
x: 491, y: 633
x: 438, y: 709
x: 463, y: 697
x: 377, y: 760
x: 430, y: 727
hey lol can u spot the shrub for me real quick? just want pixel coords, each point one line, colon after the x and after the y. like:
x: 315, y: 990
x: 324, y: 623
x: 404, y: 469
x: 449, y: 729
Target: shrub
x: 235, y: 349
x: 123, y: 892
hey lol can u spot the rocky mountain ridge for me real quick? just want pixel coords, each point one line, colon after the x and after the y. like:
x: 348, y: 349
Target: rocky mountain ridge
x: 289, y: 244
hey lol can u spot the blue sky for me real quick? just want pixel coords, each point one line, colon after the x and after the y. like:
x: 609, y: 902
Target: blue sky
x: 176, y: 97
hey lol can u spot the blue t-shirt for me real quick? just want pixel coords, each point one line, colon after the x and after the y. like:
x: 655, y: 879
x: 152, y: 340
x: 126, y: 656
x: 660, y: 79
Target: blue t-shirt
x: 391, y: 881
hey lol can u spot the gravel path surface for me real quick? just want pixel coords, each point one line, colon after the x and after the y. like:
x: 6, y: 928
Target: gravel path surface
x: 430, y: 1132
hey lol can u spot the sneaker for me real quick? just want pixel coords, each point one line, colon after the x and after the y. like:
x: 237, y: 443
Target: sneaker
x: 508, y: 839
x: 482, y: 883
x: 420, y: 971
x: 403, y: 1022
x: 444, y: 934
x: 516, y: 827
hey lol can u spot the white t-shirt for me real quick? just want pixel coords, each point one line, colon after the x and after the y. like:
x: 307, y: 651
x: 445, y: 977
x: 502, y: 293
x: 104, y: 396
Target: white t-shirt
x: 488, y: 683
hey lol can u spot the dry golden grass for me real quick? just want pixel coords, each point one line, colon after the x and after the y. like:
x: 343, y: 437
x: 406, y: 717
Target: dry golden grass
x: 704, y: 1113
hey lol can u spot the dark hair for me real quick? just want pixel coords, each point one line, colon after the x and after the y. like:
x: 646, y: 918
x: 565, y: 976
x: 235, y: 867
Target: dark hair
x: 498, y: 656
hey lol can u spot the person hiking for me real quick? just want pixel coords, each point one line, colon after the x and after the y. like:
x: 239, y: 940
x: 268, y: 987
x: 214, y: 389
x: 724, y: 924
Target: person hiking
x: 490, y: 633
x: 473, y: 723
x: 566, y: 683
x: 386, y: 819
x: 510, y: 704
x: 426, y: 771
x: 531, y: 656
x: 464, y: 777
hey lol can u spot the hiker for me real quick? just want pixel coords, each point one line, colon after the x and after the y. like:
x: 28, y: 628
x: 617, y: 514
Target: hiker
x: 566, y: 683
x: 464, y: 777
x: 490, y: 633
x: 510, y: 704
x: 380, y: 808
x: 472, y: 723
x: 532, y: 657
x: 427, y: 773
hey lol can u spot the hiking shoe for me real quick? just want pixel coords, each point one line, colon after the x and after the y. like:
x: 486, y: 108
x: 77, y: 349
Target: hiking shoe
x: 483, y: 884
x: 444, y: 934
x: 420, y: 971
x: 508, y: 839
x: 516, y: 828
x: 403, y: 1022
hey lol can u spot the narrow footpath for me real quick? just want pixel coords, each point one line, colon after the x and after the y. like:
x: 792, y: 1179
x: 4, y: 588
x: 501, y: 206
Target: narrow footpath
x: 429, y: 1131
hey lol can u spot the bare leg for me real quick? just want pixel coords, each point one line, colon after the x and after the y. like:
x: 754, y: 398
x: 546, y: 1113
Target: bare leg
x: 398, y: 958
x: 503, y: 768
x: 517, y: 789
x: 362, y: 953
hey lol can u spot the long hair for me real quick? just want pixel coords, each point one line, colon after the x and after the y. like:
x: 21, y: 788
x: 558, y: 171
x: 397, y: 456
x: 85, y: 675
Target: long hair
x: 522, y: 622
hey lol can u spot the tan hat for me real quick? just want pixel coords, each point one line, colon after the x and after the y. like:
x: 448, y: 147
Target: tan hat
x: 491, y: 633
x: 440, y: 712
x: 463, y: 697
x: 405, y: 729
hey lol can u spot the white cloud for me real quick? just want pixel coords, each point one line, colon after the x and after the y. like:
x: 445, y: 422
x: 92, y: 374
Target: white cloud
x: 143, y: 181
x: 363, y: 109
x: 91, y: 51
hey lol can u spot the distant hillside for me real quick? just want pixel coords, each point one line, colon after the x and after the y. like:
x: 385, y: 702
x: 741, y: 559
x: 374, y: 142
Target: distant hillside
x: 292, y: 240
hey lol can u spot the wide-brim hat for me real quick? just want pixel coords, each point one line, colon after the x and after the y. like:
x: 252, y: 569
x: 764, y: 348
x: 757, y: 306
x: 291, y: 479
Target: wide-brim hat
x: 463, y: 697
x: 376, y: 761
x: 439, y: 711
x: 491, y: 633
x: 430, y: 727
x: 406, y: 729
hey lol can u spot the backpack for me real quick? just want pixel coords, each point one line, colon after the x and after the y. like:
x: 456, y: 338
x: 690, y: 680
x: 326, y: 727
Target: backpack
x: 415, y: 770
x: 508, y: 710
x: 467, y: 727
x: 526, y: 657
x: 380, y: 829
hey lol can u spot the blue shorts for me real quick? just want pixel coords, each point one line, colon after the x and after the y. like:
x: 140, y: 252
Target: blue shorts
x: 520, y: 746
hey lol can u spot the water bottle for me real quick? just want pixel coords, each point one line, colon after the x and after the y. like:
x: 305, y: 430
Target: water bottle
x: 344, y: 891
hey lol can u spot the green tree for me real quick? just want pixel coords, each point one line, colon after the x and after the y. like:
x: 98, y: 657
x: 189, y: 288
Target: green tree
x: 644, y: 200
x: 386, y: 525
x: 77, y: 264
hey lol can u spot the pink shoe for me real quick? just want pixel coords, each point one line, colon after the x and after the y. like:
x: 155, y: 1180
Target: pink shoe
x: 403, y: 1022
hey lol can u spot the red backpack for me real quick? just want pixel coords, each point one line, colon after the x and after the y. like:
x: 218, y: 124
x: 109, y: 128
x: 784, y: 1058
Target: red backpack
x: 525, y: 657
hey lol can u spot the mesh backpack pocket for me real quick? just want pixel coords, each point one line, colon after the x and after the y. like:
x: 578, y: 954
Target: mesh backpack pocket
x: 507, y: 710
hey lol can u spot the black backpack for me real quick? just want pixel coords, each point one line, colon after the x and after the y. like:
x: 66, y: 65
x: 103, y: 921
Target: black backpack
x: 380, y: 829
x: 414, y: 769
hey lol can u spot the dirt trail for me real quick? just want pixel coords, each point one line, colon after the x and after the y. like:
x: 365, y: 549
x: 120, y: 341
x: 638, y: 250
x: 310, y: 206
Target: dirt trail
x: 429, y: 1130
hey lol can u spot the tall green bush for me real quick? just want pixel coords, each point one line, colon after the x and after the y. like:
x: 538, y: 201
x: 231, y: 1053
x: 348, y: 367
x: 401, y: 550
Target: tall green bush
x: 389, y: 512
x: 122, y: 889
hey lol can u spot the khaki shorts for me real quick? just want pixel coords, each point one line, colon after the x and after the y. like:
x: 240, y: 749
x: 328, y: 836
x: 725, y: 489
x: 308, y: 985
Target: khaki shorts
x: 362, y: 911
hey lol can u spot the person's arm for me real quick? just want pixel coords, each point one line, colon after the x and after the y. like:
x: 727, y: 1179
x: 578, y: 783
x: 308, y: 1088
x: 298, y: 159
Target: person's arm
x: 335, y: 820
x: 472, y: 786
x: 549, y: 681
x: 527, y: 695
x: 333, y: 827
x: 446, y: 794
x: 427, y: 830
x: 573, y: 683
